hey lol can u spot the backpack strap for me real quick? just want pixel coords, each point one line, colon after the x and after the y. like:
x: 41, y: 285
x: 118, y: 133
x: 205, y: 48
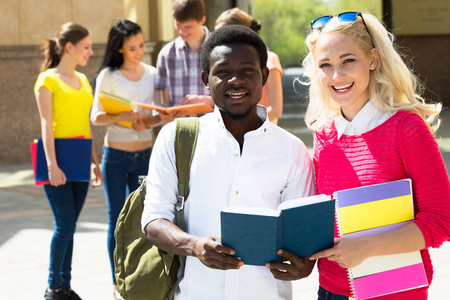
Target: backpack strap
x: 185, y: 140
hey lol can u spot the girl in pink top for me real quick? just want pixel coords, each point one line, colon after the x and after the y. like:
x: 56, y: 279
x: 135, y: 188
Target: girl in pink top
x: 371, y: 126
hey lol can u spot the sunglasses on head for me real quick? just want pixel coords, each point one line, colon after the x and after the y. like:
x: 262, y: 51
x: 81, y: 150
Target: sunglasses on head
x: 349, y: 16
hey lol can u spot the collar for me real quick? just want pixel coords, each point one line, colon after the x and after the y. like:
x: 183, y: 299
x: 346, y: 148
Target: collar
x: 180, y: 44
x: 360, y: 122
x: 261, y: 112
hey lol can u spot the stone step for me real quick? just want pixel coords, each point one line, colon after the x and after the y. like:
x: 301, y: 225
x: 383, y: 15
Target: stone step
x: 299, y: 115
x: 295, y: 101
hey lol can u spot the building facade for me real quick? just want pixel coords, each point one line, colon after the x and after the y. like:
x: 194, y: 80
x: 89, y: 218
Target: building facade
x: 25, y: 23
x: 421, y: 26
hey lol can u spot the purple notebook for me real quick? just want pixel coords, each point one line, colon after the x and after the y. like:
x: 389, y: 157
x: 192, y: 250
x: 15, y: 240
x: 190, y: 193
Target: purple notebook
x: 373, y: 210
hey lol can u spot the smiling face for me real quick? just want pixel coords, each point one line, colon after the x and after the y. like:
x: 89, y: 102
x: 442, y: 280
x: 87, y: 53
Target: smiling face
x: 133, y: 49
x: 235, y: 79
x: 190, y: 31
x: 344, y: 71
x: 81, y: 51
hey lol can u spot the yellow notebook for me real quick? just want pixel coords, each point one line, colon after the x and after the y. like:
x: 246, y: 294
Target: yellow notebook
x: 115, y: 105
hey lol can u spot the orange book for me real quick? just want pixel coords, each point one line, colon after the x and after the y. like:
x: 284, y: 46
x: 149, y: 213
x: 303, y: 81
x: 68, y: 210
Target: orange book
x: 120, y: 104
x: 189, y: 109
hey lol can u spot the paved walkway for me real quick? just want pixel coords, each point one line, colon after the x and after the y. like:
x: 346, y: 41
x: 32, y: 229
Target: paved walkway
x: 26, y: 226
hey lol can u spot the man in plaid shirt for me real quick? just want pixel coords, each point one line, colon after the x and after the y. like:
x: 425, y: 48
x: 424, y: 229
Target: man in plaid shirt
x: 178, y: 64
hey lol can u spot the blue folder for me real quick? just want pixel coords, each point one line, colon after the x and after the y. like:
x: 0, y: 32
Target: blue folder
x: 73, y: 157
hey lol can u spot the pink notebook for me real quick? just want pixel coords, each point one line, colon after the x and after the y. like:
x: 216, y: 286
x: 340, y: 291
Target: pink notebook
x: 373, y: 210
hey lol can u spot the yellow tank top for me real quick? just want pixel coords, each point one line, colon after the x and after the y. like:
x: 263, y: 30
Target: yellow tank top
x: 70, y: 107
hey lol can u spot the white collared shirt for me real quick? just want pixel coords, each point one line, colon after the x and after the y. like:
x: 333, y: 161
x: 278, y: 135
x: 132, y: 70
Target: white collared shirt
x: 368, y: 118
x: 274, y: 166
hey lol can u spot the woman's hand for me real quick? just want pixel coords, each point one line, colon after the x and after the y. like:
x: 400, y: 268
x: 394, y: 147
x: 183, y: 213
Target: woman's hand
x: 347, y: 252
x: 98, y: 177
x: 130, y: 116
x: 56, y: 176
x: 139, y: 125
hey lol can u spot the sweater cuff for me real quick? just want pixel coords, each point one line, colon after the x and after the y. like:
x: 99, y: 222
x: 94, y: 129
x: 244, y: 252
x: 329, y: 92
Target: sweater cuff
x: 426, y: 232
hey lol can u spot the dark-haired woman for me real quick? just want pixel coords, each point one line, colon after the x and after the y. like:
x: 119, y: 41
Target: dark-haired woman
x: 126, y: 151
x: 64, y: 99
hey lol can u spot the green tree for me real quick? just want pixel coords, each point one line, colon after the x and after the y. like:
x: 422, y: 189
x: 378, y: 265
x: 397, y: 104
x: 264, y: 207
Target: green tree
x: 285, y: 23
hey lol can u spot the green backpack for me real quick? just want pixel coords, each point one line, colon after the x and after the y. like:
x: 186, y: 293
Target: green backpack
x: 142, y: 270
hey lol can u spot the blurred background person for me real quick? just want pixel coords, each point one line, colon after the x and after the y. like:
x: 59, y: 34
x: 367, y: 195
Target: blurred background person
x: 64, y: 99
x: 126, y: 151
x: 178, y: 62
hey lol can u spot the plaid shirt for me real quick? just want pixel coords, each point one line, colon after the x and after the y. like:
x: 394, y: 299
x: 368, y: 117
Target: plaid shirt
x: 179, y: 70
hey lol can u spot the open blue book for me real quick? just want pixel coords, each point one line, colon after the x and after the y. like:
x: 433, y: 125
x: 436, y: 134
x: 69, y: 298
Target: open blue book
x: 303, y: 226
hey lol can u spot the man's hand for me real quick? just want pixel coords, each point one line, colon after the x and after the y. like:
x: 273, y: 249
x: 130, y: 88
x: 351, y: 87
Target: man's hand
x: 166, y: 118
x: 292, y: 268
x: 193, y: 99
x: 214, y: 255
x: 209, y: 250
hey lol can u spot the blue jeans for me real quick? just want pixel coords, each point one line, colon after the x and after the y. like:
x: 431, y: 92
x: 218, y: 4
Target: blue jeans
x: 66, y: 202
x: 121, y: 170
x: 326, y: 295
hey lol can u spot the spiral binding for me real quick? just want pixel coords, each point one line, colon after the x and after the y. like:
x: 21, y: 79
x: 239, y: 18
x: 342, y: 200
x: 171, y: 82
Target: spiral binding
x: 337, y: 214
x: 352, y: 285
x: 349, y: 271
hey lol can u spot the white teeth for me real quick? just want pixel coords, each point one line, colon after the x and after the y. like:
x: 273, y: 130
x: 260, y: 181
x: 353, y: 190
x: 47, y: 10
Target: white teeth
x: 343, y: 88
x: 236, y: 95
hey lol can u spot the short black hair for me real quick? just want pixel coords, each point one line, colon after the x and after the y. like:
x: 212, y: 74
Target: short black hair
x: 233, y: 34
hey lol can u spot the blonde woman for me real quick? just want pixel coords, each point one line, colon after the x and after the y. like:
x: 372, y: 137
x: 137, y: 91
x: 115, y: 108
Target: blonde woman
x: 371, y: 126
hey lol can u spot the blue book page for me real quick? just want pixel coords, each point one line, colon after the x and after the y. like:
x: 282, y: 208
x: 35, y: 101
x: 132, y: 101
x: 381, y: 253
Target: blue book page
x: 254, y: 237
x: 309, y: 228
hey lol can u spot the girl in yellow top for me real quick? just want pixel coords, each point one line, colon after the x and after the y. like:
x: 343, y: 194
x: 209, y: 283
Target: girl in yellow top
x: 64, y: 99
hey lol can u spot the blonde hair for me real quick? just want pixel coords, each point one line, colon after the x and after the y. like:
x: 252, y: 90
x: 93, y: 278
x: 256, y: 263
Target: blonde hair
x: 392, y: 86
